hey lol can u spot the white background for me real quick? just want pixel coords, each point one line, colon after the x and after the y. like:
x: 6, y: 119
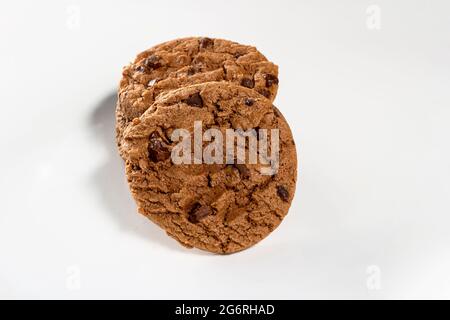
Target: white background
x: 369, y: 109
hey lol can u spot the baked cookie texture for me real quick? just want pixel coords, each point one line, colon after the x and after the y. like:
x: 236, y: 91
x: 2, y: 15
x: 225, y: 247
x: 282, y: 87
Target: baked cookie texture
x: 222, y: 208
x: 181, y: 62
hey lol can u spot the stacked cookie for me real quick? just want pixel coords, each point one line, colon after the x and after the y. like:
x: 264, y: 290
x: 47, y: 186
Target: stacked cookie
x: 202, y: 87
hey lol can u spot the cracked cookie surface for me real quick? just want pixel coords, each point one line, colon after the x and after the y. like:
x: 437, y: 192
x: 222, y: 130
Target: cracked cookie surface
x: 222, y: 208
x: 187, y: 61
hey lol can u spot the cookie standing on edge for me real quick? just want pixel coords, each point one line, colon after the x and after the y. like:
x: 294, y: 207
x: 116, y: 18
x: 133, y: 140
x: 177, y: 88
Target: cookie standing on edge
x: 222, y: 208
x: 181, y: 62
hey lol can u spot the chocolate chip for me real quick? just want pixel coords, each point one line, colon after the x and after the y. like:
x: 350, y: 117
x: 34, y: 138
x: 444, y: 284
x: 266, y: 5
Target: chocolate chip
x: 198, y: 213
x: 206, y: 42
x: 249, y: 102
x: 195, y: 100
x: 283, y: 193
x: 140, y: 69
x: 265, y: 93
x: 246, y: 82
x: 156, y: 150
x: 237, y: 55
x: 270, y: 80
x: 152, y: 62
x: 191, y: 71
x: 243, y: 170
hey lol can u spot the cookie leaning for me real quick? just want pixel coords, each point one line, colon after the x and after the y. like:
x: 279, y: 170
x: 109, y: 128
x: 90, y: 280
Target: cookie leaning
x: 222, y: 208
x: 181, y: 62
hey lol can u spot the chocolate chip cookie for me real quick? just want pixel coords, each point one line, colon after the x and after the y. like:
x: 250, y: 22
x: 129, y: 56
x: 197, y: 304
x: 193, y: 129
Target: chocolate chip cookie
x: 181, y: 62
x: 220, y: 206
